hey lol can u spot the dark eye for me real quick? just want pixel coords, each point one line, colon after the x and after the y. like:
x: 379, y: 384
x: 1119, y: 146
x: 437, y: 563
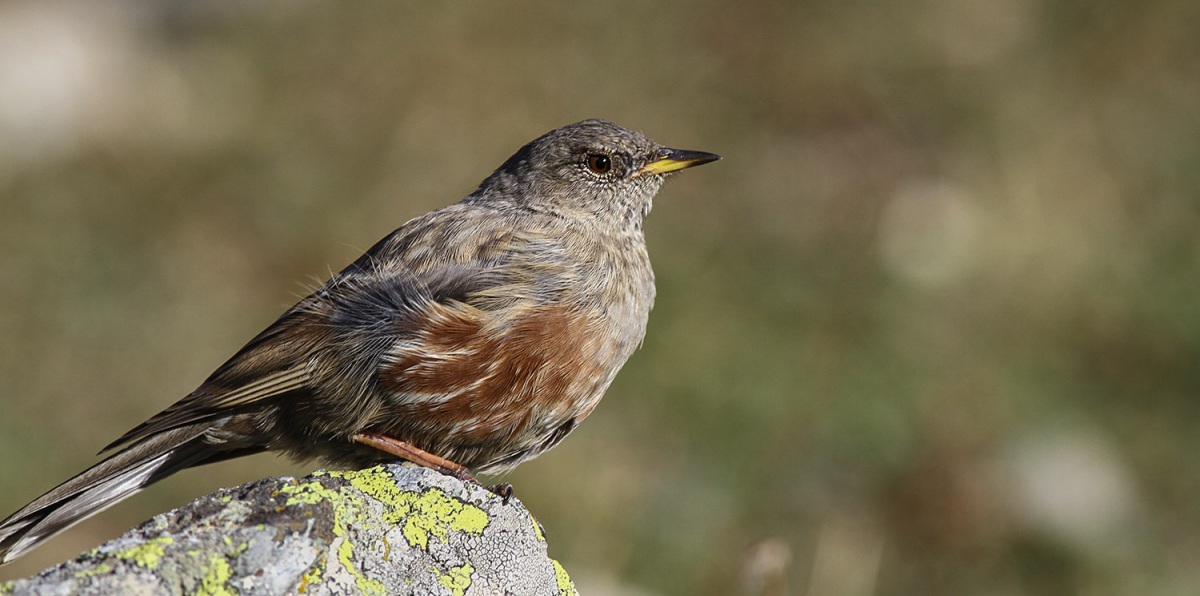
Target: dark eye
x: 599, y: 163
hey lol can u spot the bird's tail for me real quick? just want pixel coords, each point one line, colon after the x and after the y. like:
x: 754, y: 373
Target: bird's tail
x: 107, y: 483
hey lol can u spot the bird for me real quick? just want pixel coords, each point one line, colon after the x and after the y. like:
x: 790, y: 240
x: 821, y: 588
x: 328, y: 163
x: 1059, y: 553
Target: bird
x: 469, y: 340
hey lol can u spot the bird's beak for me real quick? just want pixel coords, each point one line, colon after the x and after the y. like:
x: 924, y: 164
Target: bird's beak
x: 670, y: 160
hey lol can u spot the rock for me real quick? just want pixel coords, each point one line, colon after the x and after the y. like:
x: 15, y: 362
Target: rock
x: 393, y: 529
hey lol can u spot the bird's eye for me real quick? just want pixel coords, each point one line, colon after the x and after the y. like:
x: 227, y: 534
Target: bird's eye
x: 599, y: 163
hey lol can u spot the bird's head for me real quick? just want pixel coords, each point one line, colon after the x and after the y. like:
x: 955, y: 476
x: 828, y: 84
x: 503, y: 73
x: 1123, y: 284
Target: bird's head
x: 592, y: 169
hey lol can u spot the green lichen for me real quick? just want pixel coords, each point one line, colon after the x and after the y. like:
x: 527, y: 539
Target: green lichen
x: 457, y: 579
x: 99, y: 569
x: 309, y: 493
x: 566, y: 587
x: 419, y: 515
x: 148, y: 553
x: 364, y: 584
x: 216, y: 578
x: 432, y: 513
x: 346, y: 510
x: 310, y: 577
x: 8, y: 587
x: 373, y: 481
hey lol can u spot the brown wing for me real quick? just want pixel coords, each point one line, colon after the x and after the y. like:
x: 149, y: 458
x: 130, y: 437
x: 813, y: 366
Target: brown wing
x: 270, y: 365
x: 382, y: 299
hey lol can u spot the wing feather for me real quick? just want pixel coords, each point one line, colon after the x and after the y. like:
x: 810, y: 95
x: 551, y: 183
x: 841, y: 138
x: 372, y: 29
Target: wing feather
x: 354, y: 319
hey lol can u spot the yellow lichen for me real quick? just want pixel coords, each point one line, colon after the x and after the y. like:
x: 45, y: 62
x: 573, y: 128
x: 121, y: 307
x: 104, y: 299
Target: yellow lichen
x: 216, y: 578
x: 566, y: 587
x: 100, y: 569
x: 457, y: 579
x: 419, y: 515
x: 345, y: 509
x: 312, y: 576
x: 432, y: 513
x: 309, y: 493
x: 148, y: 553
x: 364, y: 584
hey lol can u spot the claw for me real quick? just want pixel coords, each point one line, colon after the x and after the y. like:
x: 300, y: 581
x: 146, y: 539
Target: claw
x: 503, y: 490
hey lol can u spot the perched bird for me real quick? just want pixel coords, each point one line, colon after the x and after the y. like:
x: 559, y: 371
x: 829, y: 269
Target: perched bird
x: 474, y: 337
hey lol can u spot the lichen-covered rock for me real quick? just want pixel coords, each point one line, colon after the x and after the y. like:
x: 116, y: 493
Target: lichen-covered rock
x: 395, y: 529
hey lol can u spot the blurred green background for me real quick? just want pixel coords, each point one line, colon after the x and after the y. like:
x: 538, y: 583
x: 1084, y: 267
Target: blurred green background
x: 932, y: 326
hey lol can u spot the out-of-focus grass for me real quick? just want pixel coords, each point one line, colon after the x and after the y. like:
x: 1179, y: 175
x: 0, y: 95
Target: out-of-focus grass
x: 930, y: 328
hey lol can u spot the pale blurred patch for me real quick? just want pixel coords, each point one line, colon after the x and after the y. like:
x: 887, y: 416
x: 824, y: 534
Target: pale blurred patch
x: 765, y: 568
x: 847, y: 556
x: 56, y: 62
x: 978, y: 32
x: 78, y: 73
x: 929, y: 233
x: 1073, y: 487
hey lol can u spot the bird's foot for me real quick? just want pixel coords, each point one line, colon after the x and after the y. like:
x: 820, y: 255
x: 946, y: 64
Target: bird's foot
x: 503, y: 490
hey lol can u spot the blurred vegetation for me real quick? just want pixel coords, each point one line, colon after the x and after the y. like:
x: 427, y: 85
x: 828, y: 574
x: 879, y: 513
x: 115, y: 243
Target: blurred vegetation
x: 932, y: 327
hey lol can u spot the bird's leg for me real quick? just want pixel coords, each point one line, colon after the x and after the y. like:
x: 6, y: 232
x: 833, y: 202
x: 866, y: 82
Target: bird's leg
x: 421, y: 457
x: 415, y: 455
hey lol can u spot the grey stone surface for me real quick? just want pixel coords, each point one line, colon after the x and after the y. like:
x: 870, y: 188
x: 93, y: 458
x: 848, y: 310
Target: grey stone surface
x: 395, y: 529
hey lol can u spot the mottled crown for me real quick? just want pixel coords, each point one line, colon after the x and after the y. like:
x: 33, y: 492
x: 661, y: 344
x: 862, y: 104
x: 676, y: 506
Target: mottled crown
x: 590, y: 168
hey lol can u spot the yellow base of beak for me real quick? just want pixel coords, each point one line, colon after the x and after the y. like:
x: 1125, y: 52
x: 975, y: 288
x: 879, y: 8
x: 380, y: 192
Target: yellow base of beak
x: 670, y: 160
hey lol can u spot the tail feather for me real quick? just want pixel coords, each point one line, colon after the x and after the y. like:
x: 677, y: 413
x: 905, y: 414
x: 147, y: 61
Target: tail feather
x: 104, y: 485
